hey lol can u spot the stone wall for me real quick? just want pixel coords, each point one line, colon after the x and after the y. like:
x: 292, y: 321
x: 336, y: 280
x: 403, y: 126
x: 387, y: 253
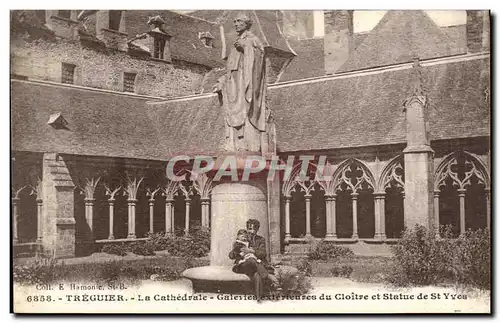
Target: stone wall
x: 42, y: 59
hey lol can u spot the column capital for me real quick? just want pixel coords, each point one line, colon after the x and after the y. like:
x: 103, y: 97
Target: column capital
x: 379, y: 195
x: 307, y: 196
x: 169, y: 200
x: 132, y: 201
x: 16, y: 200
x: 111, y: 201
x: 287, y: 197
x: 354, y: 196
x: 330, y: 197
x: 436, y: 193
x: 461, y: 191
x: 205, y: 199
x: 487, y: 190
x: 89, y: 200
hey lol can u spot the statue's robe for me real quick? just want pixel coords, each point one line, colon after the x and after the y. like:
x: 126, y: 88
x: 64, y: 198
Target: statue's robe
x: 243, y: 92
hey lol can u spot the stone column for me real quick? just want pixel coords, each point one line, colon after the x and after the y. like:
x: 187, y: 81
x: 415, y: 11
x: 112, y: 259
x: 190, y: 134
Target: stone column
x: 172, y: 218
x: 205, y: 212
x: 382, y: 218
x: 186, y: 219
x: 379, y: 200
x: 308, y: 215
x: 354, y: 197
x: 330, y: 217
x: 15, y: 217
x: 333, y: 213
x: 287, y: 218
x: 111, y: 218
x: 151, y: 215
x: 418, y: 158
x: 131, y: 219
x: 39, y: 227
x: 488, y: 208
x: 436, y: 213
x: 58, y: 220
x: 168, y: 217
x: 89, y: 216
x: 461, y: 196
x: 233, y: 203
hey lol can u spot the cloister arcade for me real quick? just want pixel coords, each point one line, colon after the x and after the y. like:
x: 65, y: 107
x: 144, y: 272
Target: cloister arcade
x: 354, y: 203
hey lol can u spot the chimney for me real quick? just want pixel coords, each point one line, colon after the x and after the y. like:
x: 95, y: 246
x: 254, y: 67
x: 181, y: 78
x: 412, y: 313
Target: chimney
x: 338, y: 39
x: 478, y: 31
x: 110, y: 27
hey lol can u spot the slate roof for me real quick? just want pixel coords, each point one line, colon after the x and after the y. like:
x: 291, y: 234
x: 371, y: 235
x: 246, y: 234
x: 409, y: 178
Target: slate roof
x: 365, y: 110
x: 458, y: 37
x: 309, y: 61
x: 400, y: 36
x: 99, y: 123
x: 110, y: 124
x: 362, y: 109
x: 185, y: 43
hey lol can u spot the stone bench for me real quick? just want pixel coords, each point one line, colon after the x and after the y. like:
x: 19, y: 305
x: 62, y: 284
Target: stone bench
x: 223, y: 279
x: 219, y: 273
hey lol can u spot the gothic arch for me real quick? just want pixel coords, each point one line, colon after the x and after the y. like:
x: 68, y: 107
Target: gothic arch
x: 367, y: 176
x: 390, y: 192
x: 462, y: 192
x: 389, y: 174
x: 443, y: 171
x: 289, y: 185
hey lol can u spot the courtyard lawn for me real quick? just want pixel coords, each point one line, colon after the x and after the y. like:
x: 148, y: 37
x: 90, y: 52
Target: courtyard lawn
x: 101, y: 267
x: 364, y: 269
x: 111, y: 270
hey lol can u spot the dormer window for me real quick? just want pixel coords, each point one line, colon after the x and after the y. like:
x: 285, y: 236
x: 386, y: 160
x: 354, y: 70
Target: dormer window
x: 159, y: 48
x: 115, y: 17
x: 160, y: 38
x: 206, y: 38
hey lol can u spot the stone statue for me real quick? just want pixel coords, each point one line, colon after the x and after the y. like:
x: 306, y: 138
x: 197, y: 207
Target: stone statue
x: 243, y: 90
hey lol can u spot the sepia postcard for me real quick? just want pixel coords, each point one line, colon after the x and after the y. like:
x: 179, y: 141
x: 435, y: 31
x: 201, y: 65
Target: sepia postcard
x: 255, y: 161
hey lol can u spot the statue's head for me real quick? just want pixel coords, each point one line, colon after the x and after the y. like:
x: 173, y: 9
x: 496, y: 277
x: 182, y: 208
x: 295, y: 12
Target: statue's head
x: 242, y: 22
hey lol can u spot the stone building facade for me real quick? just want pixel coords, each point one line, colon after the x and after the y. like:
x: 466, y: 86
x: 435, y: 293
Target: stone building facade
x: 406, y: 141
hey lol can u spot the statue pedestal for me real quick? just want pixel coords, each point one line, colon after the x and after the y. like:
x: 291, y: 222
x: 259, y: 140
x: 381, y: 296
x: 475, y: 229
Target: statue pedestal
x: 233, y: 203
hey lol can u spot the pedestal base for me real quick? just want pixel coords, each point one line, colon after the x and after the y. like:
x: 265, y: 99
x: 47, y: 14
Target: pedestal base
x: 218, y: 279
x: 233, y: 203
x: 222, y: 279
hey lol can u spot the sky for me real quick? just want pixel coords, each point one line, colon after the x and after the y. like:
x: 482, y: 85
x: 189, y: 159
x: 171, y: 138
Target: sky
x: 366, y: 20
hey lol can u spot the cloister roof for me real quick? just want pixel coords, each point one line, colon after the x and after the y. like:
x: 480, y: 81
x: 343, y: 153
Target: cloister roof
x: 351, y: 110
x: 99, y: 123
x: 365, y: 109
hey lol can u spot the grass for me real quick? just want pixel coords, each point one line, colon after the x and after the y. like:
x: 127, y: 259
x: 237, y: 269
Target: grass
x: 164, y: 268
x: 365, y: 269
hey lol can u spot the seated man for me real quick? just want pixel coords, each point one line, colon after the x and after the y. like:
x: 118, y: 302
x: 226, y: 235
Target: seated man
x: 253, y: 265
